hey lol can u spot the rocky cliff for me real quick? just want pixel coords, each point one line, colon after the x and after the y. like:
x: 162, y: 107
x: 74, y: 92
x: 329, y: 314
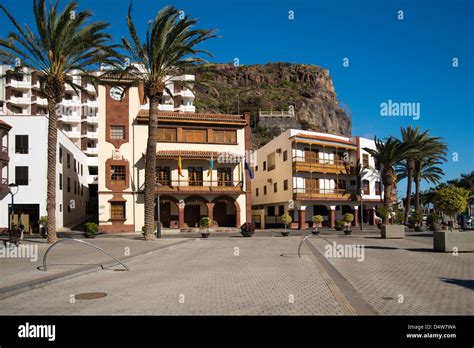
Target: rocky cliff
x: 274, y: 86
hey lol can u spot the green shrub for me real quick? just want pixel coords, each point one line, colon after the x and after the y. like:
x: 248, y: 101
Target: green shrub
x: 205, y: 222
x: 91, y: 228
x: 340, y: 225
x: 43, y: 220
x: 348, y: 217
x: 417, y: 218
x: 144, y: 228
x: 399, y: 217
x: 248, y: 227
x: 317, y: 219
x: 382, y: 212
x: 432, y: 218
x: 286, y: 219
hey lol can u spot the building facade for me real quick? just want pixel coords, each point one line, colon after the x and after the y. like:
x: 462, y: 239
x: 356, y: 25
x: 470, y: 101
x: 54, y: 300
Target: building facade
x: 306, y: 173
x: 25, y: 147
x: 200, y: 169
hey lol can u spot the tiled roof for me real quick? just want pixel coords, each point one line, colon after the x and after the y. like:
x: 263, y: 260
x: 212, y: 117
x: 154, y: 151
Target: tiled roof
x: 3, y: 124
x: 188, y: 154
x: 329, y: 139
x: 193, y: 116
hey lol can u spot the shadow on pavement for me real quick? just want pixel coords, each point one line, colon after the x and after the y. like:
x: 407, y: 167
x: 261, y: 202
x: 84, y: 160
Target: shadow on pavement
x: 468, y: 284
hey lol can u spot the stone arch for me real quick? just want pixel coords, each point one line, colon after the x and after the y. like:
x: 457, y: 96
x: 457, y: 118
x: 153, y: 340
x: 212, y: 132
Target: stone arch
x: 228, y: 220
x: 194, y: 212
x: 168, y: 213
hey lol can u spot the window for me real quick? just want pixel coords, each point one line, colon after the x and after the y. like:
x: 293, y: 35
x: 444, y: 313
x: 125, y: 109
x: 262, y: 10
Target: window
x: 224, y: 176
x: 285, y: 156
x: 75, y: 166
x: 21, y: 143
x: 82, y: 190
x: 163, y: 175
x: 225, y: 136
x: 264, y: 190
x: 195, y: 135
x: 275, y: 187
x: 117, y: 210
x: 365, y: 160
x: 352, y: 183
x: 117, y: 132
x: 271, y: 210
x: 75, y: 187
x: 68, y: 184
x: 311, y: 155
x: 60, y: 154
x: 166, y: 134
x: 68, y: 208
x: 93, y: 170
x: 256, y: 168
x: 256, y: 192
x: 60, y: 208
x: 365, y: 187
x: 271, y: 161
x: 378, y: 188
x: 341, y: 184
x: 195, y: 176
x: 377, y: 164
x: 264, y: 165
x: 68, y: 161
x: 281, y: 210
x: 60, y: 181
x: 82, y: 172
x: 117, y: 174
x: 21, y: 176
x: 285, y: 185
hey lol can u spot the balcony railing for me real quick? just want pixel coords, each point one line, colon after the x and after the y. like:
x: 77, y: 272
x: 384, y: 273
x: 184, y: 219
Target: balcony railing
x: 309, y: 193
x: 198, y: 185
x: 302, y: 163
x: 4, y: 185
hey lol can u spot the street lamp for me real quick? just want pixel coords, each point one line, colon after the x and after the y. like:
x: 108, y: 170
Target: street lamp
x: 158, y: 223
x: 361, y: 210
x: 13, y: 189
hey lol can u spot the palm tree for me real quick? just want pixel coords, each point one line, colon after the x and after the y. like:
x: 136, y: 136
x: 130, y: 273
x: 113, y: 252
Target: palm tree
x: 64, y: 43
x: 168, y: 51
x: 388, y: 154
x: 467, y: 181
x: 431, y: 150
x: 412, y: 138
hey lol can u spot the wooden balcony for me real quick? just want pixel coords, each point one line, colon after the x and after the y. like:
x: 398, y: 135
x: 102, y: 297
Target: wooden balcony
x: 201, y: 187
x: 300, y: 194
x: 4, y: 154
x: 4, y: 185
x: 307, y: 164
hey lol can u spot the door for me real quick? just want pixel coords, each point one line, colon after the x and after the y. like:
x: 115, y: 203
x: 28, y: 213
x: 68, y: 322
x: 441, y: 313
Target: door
x: 165, y: 213
x: 192, y: 214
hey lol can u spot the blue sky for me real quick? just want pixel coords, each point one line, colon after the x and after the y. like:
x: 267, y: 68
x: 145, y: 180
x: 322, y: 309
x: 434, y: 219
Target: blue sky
x: 407, y: 60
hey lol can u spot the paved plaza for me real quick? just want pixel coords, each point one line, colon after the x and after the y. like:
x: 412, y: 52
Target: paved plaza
x: 261, y: 275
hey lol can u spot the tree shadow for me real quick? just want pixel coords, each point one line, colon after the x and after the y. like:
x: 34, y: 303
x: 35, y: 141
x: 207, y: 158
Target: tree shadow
x: 466, y: 283
x: 380, y: 247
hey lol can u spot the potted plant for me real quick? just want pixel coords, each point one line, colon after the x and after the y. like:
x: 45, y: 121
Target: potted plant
x: 432, y: 221
x: 286, y: 220
x: 340, y: 225
x: 317, y: 221
x: 383, y: 213
x: 347, y: 219
x: 90, y: 229
x: 417, y: 220
x: 43, y: 226
x: 247, y: 229
x: 204, y: 223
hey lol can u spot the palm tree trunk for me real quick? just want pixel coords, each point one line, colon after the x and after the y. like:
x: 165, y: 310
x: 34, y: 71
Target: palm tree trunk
x: 52, y: 158
x: 150, y: 169
x: 408, y: 196
x: 417, y: 186
x: 386, y: 200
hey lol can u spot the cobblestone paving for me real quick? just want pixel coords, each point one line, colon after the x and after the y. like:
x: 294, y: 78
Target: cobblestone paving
x: 200, y: 277
x: 431, y: 283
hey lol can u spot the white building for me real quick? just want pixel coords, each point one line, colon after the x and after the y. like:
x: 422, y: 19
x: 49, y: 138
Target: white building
x: 26, y: 144
x: 78, y: 112
x: 314, y: 173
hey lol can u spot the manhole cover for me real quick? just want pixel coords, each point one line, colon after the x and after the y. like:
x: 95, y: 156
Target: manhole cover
x: 90, y: 295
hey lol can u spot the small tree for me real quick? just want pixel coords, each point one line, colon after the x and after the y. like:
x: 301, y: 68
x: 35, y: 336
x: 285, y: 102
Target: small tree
x: 317, y: 220
x: 348, y: 218
x: 451, y: 200
x: 286, y: 220
x: 205, y: 222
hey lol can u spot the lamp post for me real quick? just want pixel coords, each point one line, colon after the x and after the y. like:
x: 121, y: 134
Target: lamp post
x: 361, y: 210
x: 158, y: 223
x: 13, y: 189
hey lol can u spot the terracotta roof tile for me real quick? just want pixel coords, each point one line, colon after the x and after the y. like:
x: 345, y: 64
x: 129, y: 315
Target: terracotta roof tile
x: 318, y: 137
x: 195, y: 116
x: 188, y: 154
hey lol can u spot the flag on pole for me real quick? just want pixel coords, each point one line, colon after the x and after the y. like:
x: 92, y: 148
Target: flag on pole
x: 248, y: 169
x: 211, y: 166
x: 180, y: 167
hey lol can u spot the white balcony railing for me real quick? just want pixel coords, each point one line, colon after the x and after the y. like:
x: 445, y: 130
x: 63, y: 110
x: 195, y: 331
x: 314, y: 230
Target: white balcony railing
x: 186, y: 94
x: 186, y: 108
x: 92, y: 135
x: 73, y: 134
x: 41, y: 101
x: 71, y: 118
x: 71, y: 102
x: 92, y: 104
x: 93, y: 161
x: 92, y: 151
x: 92, y: 119
x: 19, y: 100
x: 19, y: 84
x: 93, y: 180
x: 166, y: 107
